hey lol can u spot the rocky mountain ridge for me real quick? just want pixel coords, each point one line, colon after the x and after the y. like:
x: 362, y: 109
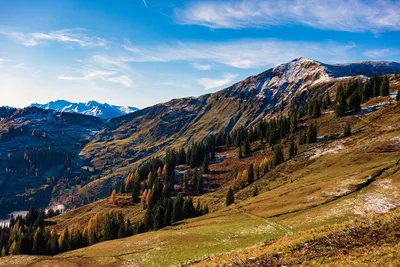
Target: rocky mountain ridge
x: 92, y: 108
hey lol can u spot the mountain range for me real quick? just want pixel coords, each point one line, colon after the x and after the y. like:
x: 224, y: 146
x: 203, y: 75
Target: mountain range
x: 92, y: 108
x: 53, y: 156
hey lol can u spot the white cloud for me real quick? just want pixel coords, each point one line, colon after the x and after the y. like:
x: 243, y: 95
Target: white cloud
x: 70, y: 36
x: 93, y: 75
x: 208, y: 83
x: 124, y: 80
x: 381, y: 53
x: 342, y: 15
x: 2, y: 60
x: 239, y: 54
x: 202, y: 66
x: 90, y: 75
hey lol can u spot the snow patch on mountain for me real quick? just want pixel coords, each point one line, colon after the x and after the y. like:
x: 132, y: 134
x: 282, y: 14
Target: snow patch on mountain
x: 92, y: 108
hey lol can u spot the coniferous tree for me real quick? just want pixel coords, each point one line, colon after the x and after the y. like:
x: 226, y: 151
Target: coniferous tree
x: 177, y: 209
x: 158, y: 217
x: 278, y: 156
x: 327, y: 102
x: 188, y: 210
x: 355, y: 101
x: 376, y: 84
x: 168, y: 212
x: 240, y: 153
x: 347, y: 130
x: 250, y: 173
x: 292, y: 149
x: 205, y: 169
x: 384, y: 86
x: 303, y: 137
x: 293, y: 121
x: 65, y: 243
x: 148, y: 219
x: 398, y: 95
x: 246, y: 149
x: 230, y: 197
x: 200, y: 183
x: 367, y: 91
x: 136, y: 189
x: 316, y: 109
x: 55, y: 248
x: 341, y: 105
x: 312, y: 134
x: 122, y: 188
x: 39, y: 243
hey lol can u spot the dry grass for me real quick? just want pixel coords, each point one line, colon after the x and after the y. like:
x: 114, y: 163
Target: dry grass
x: 306, y: 199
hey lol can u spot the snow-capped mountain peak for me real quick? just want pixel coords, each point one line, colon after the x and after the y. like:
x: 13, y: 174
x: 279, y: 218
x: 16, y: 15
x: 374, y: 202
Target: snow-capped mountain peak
x: 92, y: 108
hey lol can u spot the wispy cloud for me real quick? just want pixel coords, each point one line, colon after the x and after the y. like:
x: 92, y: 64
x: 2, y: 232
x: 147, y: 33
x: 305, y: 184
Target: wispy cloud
x: 202, y: 66
x: 342, y: 15
x: 68, y: 36
x: 240, y: 54
x: 93, y: 75
x: 144, y: 1
x: 124, y: 80
x: 90, y: 75
x: 208, y: 83
x: 382, y: 53
x: 2, y: 60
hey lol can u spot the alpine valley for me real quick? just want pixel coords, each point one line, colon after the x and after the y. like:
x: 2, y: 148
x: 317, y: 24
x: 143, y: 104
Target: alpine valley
x: 297, y: 165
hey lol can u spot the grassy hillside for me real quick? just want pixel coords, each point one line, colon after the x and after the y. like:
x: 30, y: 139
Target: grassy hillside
x: 128, y: 141
x: 332, y: 204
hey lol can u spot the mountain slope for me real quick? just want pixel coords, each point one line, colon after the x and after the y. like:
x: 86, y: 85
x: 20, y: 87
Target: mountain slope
x: 92, y: 108
x: 132, y: 138
x: 306, y: 211
x: 37, y: 148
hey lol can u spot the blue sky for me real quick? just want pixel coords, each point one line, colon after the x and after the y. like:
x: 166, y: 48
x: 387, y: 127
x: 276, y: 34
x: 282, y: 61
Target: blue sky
x: 141, y: 53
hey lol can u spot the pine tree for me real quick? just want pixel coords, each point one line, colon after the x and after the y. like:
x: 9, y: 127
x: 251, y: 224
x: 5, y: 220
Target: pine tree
x: 240, y: 153
x: 312, y: 133
x: 55, y: 248
x: 39, y: 243
x: 293, y: 121
x: 246, y: 149
x: 355, y: 101
x: 122, y: 230
x: 177, y: 209
x: 327, y: 102
x: 122, y: 188
x: 158, y: 217
x: 204, y: 167
x: 136, y: 189
x: 64, y: 241
x: 303, y: 137
x: 316, y: 109
x: 347, y: 130
x: 292, y: 149
x: 398, y: 95
x: 340, y: 108
x: 188, y: 210
x: 384, y: 87
x: 168, y: 212
x: 230, y: 197
x: 250, y: 174
x: 278, y: 156
x: 148, y: 219
x: 200, y: 183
